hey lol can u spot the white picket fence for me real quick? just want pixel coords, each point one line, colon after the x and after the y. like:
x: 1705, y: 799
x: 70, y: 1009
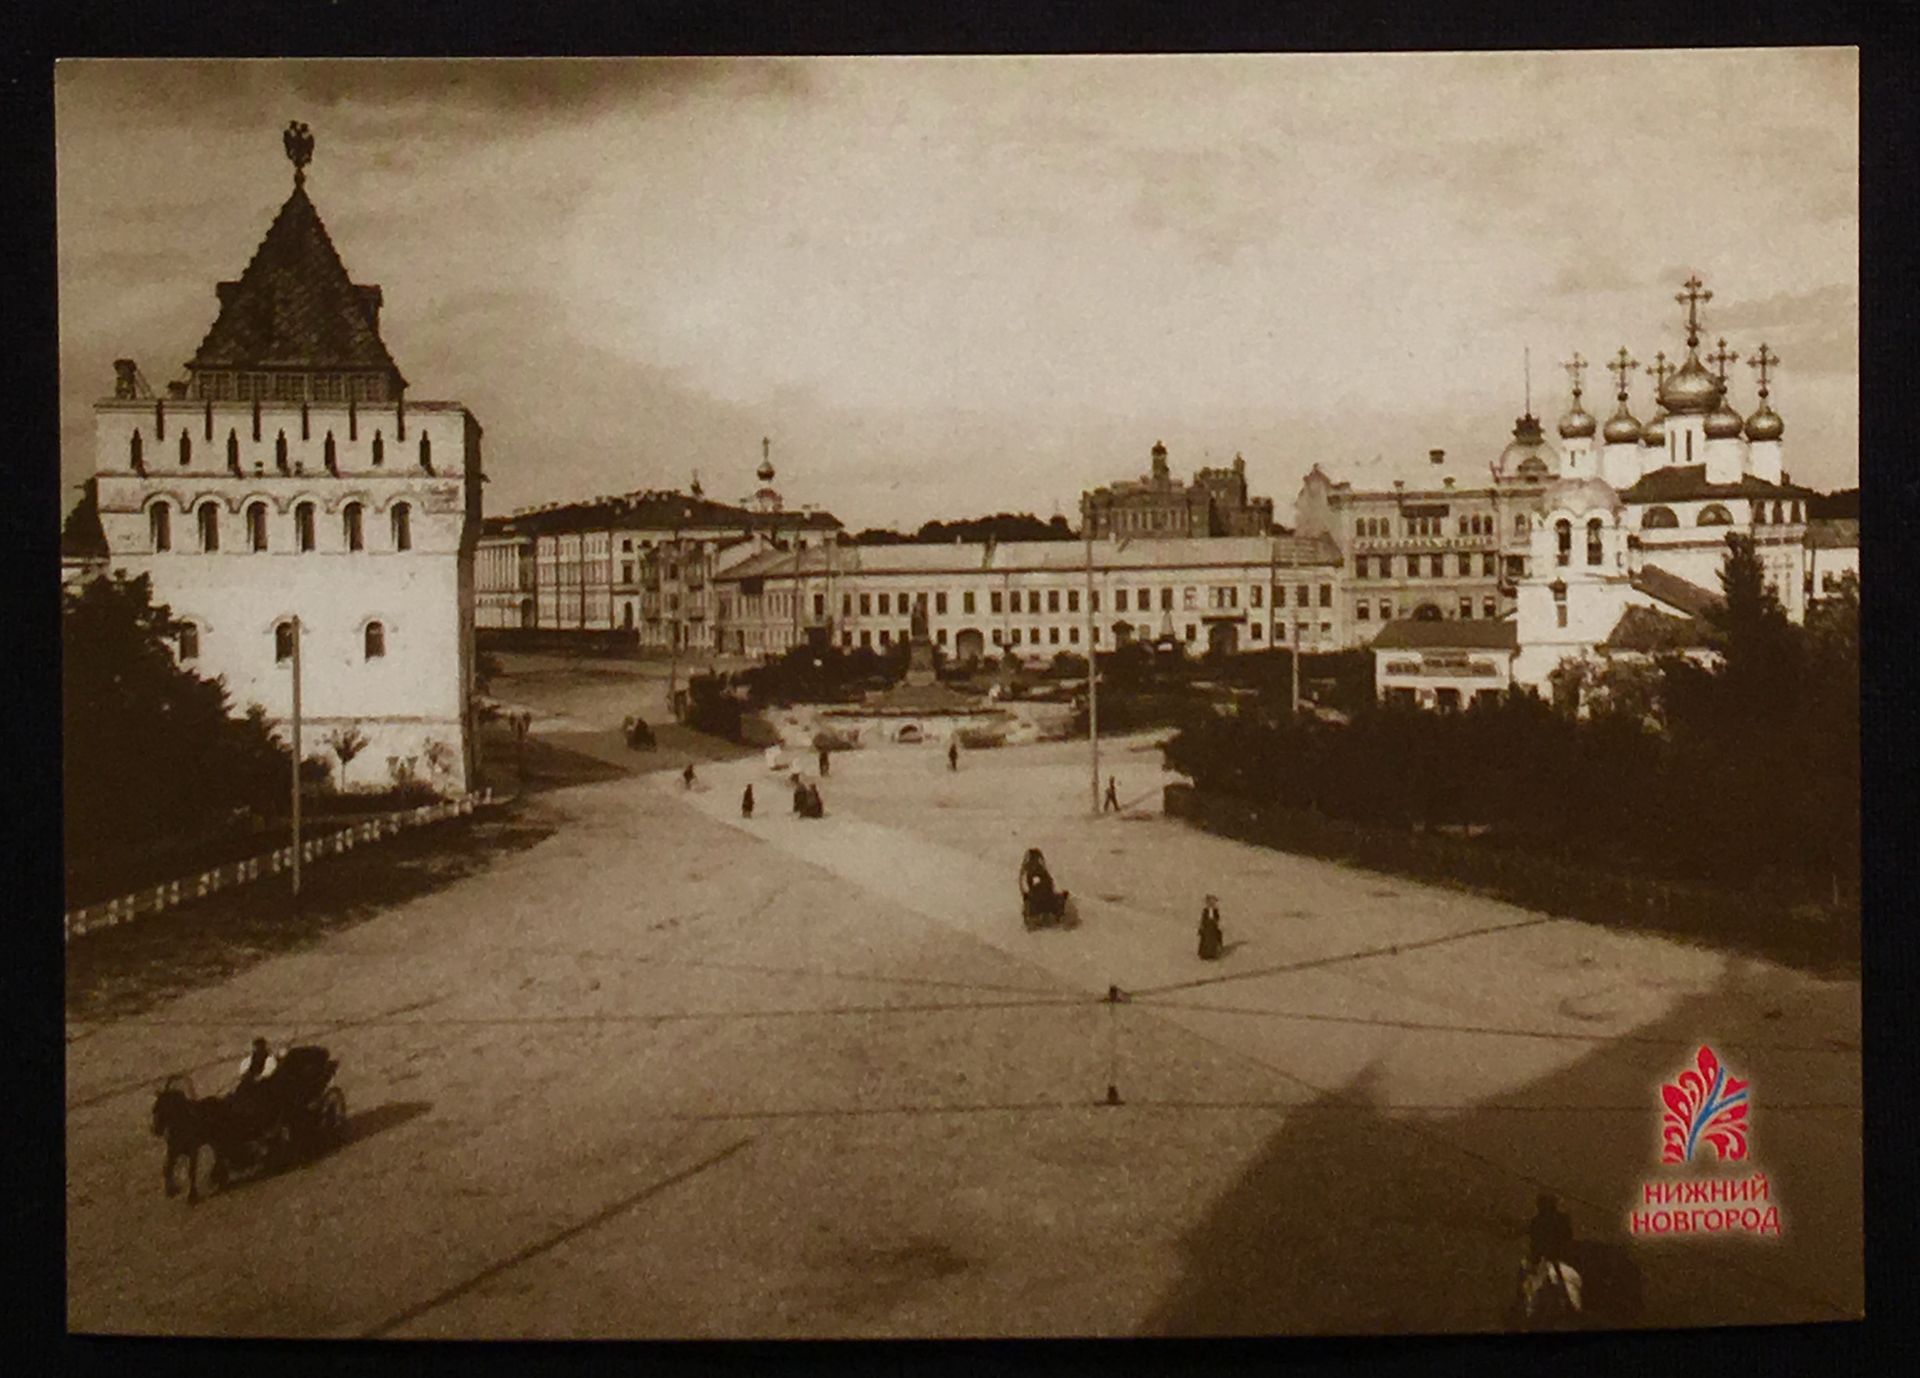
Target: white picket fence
x: 157, y: 899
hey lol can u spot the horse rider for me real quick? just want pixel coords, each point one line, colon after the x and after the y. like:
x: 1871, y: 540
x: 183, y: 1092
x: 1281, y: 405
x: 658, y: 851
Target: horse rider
x: 1549, y: 1241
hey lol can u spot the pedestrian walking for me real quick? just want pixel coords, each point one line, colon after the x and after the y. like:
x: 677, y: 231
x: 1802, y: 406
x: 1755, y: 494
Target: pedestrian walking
x: 1112, y: 804
x: 824, y: 770
x: 746, y: 803
x: 686, y: 776
x: 1211, y: 939
x: 953, y: 755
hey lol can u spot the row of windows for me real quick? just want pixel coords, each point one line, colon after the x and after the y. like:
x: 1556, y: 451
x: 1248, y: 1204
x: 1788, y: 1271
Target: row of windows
x: 330, y: 451
x: 1363, y: 610
x: 1051, y: 600
x: 373, y: 641
x: 1365, y: 566
x: 1051, y: 636
x: 207, y: 523
x: 1467, y: 524
x: 1714, y: 514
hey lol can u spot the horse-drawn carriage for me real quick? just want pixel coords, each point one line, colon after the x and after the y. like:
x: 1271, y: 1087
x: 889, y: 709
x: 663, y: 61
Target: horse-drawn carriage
x: 294, y: 1113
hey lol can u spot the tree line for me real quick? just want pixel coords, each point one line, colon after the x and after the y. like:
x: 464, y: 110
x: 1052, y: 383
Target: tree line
x: 1741, y: 771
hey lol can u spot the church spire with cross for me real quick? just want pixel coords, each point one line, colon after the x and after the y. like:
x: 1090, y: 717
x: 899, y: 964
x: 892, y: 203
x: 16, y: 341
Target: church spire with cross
x: 1578, y: 423
x: 1621, y: 428
x: 1765, y: 423
x: 1690, y: 389
x: 1723, y: 423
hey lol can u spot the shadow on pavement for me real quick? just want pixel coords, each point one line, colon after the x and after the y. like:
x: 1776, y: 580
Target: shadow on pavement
x: 360, y: 1126
x: 1355, y: 1220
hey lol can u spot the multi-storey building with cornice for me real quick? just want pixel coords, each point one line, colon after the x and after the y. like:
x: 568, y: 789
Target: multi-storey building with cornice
x: 290, y: 476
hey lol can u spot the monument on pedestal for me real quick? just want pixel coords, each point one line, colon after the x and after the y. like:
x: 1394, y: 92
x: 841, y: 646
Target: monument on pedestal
x: 920, y: 671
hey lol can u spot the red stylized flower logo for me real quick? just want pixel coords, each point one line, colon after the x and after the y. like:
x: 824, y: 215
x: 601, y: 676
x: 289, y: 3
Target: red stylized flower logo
x: 1705, y: 1102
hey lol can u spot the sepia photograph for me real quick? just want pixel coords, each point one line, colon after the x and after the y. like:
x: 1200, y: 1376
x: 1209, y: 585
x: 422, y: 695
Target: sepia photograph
x: 1182, y: 695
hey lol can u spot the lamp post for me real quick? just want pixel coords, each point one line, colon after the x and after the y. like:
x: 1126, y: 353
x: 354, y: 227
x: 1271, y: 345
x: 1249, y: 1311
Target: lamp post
x: 296, y: 756
x: 1093, y: 670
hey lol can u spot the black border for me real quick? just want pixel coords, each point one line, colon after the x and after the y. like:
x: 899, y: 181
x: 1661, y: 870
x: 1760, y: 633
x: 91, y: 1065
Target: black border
x: 29, y: 523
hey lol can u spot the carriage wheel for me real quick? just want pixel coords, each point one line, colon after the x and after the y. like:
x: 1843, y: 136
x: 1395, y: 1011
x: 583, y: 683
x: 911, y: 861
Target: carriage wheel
x: 333, y: 1114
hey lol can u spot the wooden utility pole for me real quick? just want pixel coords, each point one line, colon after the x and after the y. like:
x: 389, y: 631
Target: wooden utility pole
x: 296, y: 757
x: 1293, y: 662
x: 1093, y: 670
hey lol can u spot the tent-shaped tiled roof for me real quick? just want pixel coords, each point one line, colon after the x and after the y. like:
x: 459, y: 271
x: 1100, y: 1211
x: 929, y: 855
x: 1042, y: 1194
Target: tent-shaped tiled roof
x: 1649, y: 630
x: 1688, y: 482
x: 1682, y: 594
x: 296, y: 307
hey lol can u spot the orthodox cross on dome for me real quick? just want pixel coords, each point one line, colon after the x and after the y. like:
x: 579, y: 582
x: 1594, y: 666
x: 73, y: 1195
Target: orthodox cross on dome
x: 1691, y: 298
x: 298, y: 141
x: 1576, y: 368
x: 1660, y: 369
x: 1764, y: 362
x: 1722, y: 357
x: 1622, y: 365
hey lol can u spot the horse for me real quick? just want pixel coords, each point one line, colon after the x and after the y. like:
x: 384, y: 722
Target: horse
x: 188, y: 1124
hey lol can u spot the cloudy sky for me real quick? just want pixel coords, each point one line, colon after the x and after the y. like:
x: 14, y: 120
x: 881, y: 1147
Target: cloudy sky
x: 948, y: 286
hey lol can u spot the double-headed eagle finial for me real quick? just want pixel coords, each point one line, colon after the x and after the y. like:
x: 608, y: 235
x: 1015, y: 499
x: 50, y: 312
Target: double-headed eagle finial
x: 299, y: 144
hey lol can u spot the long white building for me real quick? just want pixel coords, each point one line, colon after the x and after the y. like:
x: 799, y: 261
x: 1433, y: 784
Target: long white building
x: 1037, y: 599
x: 289, y: 476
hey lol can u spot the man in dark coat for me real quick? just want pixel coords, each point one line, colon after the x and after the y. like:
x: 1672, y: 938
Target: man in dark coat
x: 746, y: 803
x: 1211, y: 940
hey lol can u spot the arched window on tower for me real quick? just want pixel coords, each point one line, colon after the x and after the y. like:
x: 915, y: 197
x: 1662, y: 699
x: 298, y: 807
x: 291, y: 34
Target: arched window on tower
x: 282, y: 642
x: 1759, y: 514
x: 135, y: 461
x: 331, y: 454
x: 233, y: 451
x: 1563, y: 541
x: 402, y: 520
x: 1796, y: 512
x: 376, y: 640
x: 426, y: 452
x: 257, y: 526
x: 186, y: 449
x: 1713, y: 514
x: 303, y: 526
x: 379, y: 449
x: 1659, y: 519
x: 209, y: 526
x: 189, y: 641
x: 1520, y: 524
x: 1593, y: 540
x: 280, y: 451
x: 353, y: 526
x: 160, y: 526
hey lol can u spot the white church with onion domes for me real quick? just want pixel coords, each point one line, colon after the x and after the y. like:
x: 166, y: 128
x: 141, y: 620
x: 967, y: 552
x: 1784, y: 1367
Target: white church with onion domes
x: 1609, y: 541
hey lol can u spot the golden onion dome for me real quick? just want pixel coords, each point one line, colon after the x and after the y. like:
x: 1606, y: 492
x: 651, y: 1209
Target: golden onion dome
x: 1622, y: 428
x: 1764, y: 424
x: 1723, y: 422
x: 1577, y: 424
x: 1690, y: 388
x: 1654, y: 433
